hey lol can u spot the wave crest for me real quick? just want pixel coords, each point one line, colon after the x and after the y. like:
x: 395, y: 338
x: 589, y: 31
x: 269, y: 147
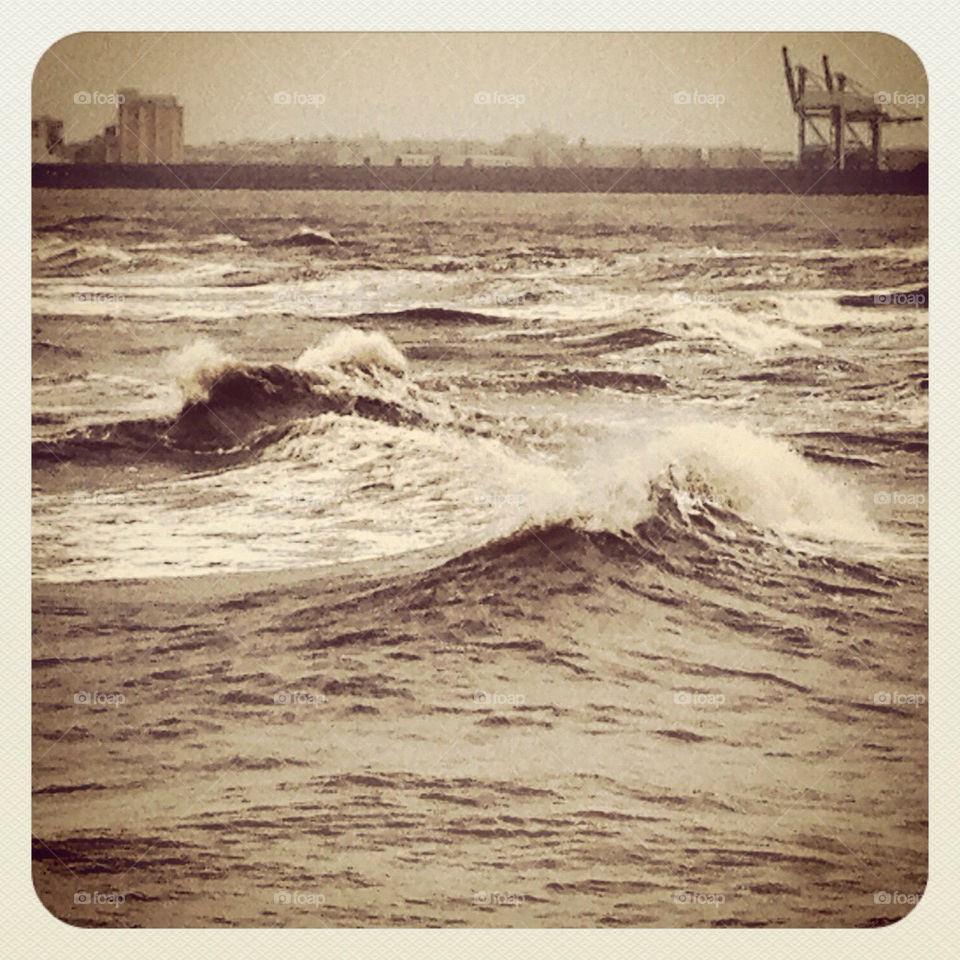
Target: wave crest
x: 350, y: 348
x: 727, y: 474
x: 233, y: 407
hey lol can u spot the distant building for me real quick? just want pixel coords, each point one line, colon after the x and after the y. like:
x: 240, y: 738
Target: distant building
x: 149, y: 129
x: 779, y: 159
x: 539, y: 149
x: 617, y: 157
x: 364, y: 151
x: 726, y: 158
x: 816, y: 156
x: 415, y: 160
x: 90, y: 151
x: 492, y: 160
x: 669, y: 157
x: 858, y: 158
x: 904, y: 159
x: 46, y: 143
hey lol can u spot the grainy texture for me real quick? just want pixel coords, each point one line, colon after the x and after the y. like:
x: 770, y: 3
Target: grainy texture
x: 550, y: 560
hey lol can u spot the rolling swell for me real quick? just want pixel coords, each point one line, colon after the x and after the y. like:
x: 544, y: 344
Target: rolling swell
x: 675, y: 533
x: 706, y: 524
x: 576, y: 380
x: 703, y: 564
x: 432, y: 315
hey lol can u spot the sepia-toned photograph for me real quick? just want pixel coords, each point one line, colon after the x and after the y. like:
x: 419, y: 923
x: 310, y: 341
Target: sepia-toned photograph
x: 479, y: 480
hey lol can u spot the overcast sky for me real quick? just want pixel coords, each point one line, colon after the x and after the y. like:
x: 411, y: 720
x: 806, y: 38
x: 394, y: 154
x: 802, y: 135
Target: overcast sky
x: 609, y: 88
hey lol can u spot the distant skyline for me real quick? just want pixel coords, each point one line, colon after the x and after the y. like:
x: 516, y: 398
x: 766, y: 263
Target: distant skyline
x: 618, y: 88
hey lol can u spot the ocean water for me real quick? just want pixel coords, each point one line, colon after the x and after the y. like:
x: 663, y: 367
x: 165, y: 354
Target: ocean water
x: 485, y: 560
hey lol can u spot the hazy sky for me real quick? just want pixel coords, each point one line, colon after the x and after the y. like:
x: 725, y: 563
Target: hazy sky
x: 609, y: 88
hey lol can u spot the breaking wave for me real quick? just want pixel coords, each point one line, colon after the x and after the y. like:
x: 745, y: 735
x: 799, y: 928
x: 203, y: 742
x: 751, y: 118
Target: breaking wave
x: 753, y: 335
x: 702, y: 474
x: 230, y: 408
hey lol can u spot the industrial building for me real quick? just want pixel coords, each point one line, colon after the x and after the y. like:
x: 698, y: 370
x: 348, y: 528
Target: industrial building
x: 735, y: 158
x: 904, y: 159
x: 609, y: 156
x: 778, y: 159
x: 492, y: 160
x: 416, y: 159
x: 46, y: 144
x: 673, y: 157
x: 149, y: 129
x: 538, y: 149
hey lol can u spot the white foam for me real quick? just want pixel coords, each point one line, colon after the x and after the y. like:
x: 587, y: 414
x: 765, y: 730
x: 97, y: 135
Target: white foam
x: 757, y: 477
x: 353, y: 347
x: 821, y: 309
x: 753, y: 333
x: 197, y: 367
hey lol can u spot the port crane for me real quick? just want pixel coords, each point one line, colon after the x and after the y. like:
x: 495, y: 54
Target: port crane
x: 846, y: 105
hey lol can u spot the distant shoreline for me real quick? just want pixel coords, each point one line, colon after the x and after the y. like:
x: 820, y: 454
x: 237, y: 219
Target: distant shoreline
x: 212, y: 176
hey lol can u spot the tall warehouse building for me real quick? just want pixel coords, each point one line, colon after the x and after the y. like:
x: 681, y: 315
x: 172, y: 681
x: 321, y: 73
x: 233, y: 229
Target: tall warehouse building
x: 149, y: 129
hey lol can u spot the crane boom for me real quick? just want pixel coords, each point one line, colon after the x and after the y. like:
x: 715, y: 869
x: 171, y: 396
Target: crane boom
x: 791, y: 87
